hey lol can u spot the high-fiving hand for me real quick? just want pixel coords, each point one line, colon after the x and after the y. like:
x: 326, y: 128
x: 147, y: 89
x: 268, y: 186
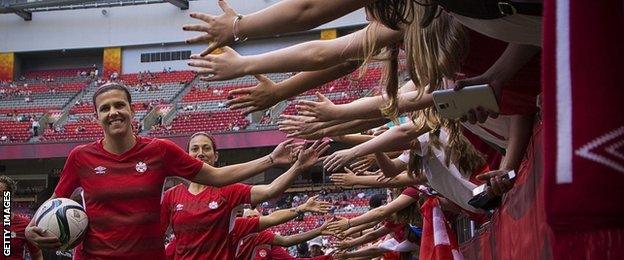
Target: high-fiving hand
x: 218, y: 30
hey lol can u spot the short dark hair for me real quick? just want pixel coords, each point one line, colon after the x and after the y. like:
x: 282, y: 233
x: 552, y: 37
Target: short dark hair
x: 376, y: 201
x: 10, y: 184
x: 108, y: 87
x: 212, y: 140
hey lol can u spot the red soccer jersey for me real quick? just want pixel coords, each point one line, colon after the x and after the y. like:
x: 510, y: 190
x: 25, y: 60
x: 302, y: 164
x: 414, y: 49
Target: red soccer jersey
x: 201, y: 223
x: 122, y: 195
x: 266, y: 252
x: 250, y: 244
x: 18, y: 239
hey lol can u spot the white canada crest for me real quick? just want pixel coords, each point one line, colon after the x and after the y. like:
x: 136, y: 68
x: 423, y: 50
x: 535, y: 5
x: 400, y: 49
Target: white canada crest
x: 179, y: 207
x: 213, y: 205
x: 141, y: 167
x: 263, y: 253
x: 100, y: 170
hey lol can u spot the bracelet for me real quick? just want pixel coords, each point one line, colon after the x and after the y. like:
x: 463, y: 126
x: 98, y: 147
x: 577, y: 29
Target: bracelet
x: 271, y: 159
x: 235, y: 29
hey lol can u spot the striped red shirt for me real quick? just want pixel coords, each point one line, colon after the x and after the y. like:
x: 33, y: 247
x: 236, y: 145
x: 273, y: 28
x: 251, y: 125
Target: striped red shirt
x: 202, y: 223
x: 122, y: 195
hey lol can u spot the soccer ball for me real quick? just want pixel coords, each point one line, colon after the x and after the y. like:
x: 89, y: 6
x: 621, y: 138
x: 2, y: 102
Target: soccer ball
x: 64, y: 218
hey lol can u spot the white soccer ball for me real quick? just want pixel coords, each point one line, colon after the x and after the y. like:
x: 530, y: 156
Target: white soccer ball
x: 64, y: 218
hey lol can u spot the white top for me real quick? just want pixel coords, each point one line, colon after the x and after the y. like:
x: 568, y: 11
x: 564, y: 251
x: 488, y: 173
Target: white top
x: 404, y: 157
x: 517, y: 28
x: 448, y: 181
x: 493, y: 130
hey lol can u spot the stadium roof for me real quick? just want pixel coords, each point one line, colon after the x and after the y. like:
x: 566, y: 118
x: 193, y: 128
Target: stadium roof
x: 25, y: 8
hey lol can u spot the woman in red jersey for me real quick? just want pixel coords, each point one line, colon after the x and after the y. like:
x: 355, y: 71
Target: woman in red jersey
x: 202, y: 217
x: 122, y: 176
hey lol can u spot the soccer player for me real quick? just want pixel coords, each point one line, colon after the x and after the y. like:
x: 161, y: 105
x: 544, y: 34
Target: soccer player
x: 122, y: 176
x: 19, y: 244
x: 202, y: 217
x: 268, y: 245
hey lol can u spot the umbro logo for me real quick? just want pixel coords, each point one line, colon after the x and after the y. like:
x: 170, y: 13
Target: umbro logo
x: 100, y: 170
x: 179, y: 207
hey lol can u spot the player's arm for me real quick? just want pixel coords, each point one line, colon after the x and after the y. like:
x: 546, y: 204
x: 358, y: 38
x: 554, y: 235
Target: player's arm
x: 283, y: 216
x: 222, y: 176
x: 268, y: 93
x: 40, y: 237
x: 306, y: 159
x: 376, y: 214
x: 287, y: 241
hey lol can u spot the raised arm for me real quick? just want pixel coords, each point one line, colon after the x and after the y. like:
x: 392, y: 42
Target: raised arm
x: 306, y: 159
x: 284, y: 215
x: 390, y: 167
x: 287, y: 241
x: 366, y: 238
x: 298, y: 126
x: 520, y: 131
x: 308, y: 56
x: 363, y: 108
x: 268, y: 93
x: 350, y: 179
x: 397, y: 138
x: 222, y: 176
x: 377, y: 214
x: 354, y: 230
x: 283, y: 17
x: 505, y: 68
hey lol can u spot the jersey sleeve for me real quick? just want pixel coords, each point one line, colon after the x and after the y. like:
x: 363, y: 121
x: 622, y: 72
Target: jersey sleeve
x: 264, y: 237
x: 237, y: 194
x: 178, y: 162
x: 244, y: 227
x: 70, y: 179
x: 411, y: 192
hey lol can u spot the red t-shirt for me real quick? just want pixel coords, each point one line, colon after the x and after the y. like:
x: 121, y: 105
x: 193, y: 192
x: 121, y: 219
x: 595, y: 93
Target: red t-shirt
x: 18, y: 238
x: 398, y: 230
x: 122, y: 195
x: 412, y: 192
x: 201, y: 223
x: 251, y: 244
x: 267, y: 252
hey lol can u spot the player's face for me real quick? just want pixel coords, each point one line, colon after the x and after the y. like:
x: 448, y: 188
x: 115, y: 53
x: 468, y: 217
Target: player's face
x: 200, y: 147
x: 114, y: 113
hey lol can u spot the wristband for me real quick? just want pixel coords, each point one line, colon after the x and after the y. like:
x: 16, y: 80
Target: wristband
x: 235, y: 29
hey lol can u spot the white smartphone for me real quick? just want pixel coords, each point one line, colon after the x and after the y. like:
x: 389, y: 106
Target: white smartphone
x: 510, y: 176
x: 453, y: 104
